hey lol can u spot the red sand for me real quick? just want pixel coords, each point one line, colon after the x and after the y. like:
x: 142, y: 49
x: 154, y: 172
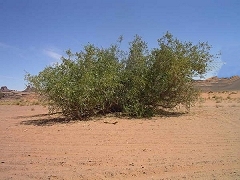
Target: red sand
x: 204, y: 144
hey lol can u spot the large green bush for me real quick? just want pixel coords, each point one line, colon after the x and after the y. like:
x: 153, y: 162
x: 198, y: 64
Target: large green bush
x: 136, y: 83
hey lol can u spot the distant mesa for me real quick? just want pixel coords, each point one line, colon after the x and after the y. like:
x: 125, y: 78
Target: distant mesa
x: 229, y: 79
x: 13, y: 94
x: 5, y: 89
x: 29, y: 89
x: 219, y: 84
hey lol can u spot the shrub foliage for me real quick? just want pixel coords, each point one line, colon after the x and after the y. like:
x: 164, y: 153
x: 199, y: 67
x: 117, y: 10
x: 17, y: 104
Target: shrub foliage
x: 135, y: 83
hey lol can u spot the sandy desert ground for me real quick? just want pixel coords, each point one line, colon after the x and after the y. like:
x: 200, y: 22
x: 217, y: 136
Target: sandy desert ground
x: 202, y: 144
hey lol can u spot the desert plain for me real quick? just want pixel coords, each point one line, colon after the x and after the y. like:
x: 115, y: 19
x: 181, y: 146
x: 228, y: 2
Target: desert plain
x: 201, y: 144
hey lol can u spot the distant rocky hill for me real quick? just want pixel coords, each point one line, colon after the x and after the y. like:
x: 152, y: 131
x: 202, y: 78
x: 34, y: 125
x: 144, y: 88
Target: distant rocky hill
x: 4, y: 89
x: 13, y: 94
x: 29, y: 89
x: 219, y: 84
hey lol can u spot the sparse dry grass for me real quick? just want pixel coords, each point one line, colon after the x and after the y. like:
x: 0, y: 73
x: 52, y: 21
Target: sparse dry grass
x: 234, y: 105
x: 232, y: 98
x: 201, y: 100
x: 218, y: 99
x: 19, y: 102
x: 219, y: 105
x: 20, y: 99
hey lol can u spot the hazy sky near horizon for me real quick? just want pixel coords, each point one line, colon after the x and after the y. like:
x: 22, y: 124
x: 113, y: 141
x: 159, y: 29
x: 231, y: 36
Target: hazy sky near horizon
x: 35, y: 34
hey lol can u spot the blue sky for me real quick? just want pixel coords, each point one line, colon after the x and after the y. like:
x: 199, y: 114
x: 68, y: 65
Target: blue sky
x: 35, y: 34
